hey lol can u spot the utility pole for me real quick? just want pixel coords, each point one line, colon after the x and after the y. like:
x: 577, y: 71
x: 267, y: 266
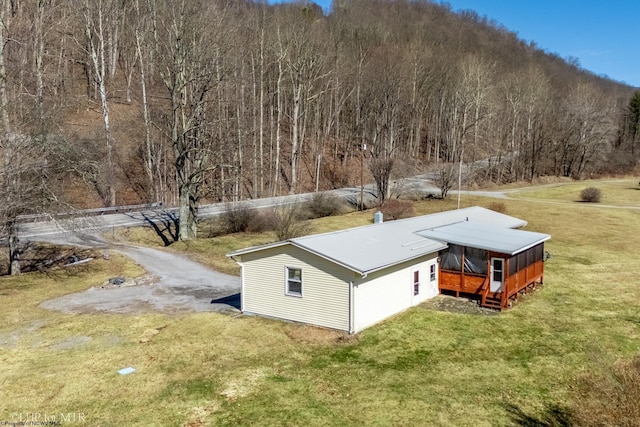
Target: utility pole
x: 363, y: 148
x: 460, y: 175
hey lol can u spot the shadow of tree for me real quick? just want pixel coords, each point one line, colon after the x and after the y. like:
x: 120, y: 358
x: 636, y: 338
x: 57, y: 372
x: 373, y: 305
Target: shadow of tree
x: 553, y: 416
x: 35, y: 256
x: 165, y: 224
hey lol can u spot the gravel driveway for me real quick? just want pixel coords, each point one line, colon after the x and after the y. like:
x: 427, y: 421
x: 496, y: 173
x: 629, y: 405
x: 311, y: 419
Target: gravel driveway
x: 176, y: 284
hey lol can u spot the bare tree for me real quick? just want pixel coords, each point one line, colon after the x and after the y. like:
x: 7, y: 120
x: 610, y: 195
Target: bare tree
x: 189, y: 72
x: 243, y: 99
x: 589, y: 131
x: 9, y: 177
x: 381, y: 169
x: 99, y: 36
x: 445, y: 178
x: 24, y: 183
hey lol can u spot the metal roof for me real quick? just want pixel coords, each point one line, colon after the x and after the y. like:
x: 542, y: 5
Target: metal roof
x: 370, y: 248
x: 475, y: 214
x: 482, y: 236
x: 376, y: 246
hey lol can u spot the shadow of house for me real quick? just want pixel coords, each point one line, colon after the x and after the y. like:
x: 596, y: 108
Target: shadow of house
x: 232, y: 300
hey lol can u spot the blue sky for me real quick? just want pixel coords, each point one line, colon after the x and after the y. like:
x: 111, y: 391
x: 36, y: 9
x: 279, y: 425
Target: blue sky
x: 604, y: 35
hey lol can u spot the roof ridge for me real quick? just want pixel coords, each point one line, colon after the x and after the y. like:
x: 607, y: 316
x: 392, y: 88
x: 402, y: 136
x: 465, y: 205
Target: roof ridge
x: 327, y: 233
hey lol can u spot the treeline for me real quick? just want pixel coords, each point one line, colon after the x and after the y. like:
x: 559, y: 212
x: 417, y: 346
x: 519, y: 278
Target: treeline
x: 235, y: 99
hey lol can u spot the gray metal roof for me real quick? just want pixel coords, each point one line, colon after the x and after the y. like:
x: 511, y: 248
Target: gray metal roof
x: 370, y: 248
x: 482, y: 236
x: 474, y: 214
x: 376, y: 246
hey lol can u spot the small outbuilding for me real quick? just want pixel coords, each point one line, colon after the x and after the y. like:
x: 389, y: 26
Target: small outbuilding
x: 354, y: 278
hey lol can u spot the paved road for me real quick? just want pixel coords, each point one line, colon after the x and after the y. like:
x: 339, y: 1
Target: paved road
x: 58, y: 231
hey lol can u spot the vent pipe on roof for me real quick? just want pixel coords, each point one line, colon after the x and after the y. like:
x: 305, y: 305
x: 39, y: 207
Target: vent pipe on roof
x: 377, y: 217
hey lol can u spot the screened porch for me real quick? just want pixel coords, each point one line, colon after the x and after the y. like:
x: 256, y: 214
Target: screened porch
x: 492, y: 263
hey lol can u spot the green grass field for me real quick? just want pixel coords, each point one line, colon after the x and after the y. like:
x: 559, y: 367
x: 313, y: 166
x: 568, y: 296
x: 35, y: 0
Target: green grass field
x: 422, y: 367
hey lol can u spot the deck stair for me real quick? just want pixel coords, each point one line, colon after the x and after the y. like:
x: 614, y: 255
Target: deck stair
x: 491, y: 300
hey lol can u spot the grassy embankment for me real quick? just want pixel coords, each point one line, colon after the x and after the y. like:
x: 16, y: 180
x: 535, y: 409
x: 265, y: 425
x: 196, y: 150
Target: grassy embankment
x: 420, y: 367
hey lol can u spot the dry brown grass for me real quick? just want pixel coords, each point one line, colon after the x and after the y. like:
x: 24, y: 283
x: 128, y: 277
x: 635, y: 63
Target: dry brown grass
x: 497, y: 207
x: 321, y: 336
x: 423, y: 367
x: 610, y: 397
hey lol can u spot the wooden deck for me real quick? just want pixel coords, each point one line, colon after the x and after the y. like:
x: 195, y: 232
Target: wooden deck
x: 513, y: 285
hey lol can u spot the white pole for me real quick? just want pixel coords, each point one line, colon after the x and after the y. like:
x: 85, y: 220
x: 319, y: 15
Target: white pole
x: 460, y: 176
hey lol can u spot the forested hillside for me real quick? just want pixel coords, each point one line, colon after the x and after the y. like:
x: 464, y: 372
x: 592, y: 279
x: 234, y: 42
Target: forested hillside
x: 114, y: 102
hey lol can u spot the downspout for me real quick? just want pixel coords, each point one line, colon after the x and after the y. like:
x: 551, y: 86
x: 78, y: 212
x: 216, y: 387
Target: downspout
x: 241, y: 287
x: 352, y: 314
x: 239, y: 262
x: 351, y: 325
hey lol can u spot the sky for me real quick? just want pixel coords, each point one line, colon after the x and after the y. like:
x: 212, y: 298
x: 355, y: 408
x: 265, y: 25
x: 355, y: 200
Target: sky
x: 603, y: 35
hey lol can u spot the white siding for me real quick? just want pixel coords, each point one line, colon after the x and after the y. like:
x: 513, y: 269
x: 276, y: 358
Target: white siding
x: 385, y: 293
x: 428, y: 287
x: 325, y: 287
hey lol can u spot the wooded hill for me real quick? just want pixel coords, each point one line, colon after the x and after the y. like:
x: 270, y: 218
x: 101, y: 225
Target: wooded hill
x: 117, y: 102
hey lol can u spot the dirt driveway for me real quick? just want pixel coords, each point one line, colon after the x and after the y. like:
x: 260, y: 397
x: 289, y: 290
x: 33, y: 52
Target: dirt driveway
x: 174, y: 284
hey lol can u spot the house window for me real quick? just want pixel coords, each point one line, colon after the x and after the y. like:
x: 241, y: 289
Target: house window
x: 294, y: 281
x: 416, y: 282
x: 432, y: 272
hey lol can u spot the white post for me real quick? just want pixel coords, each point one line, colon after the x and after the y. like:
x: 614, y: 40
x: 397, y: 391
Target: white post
x: 460, y: 177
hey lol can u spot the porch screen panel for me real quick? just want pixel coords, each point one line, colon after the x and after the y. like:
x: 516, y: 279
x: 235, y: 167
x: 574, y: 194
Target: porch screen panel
x: 513, y: 265
x: 451, y: 258
x: 475, y: 261
x: 539, y: 251
x: 522, y: 260
x: 530, y: 257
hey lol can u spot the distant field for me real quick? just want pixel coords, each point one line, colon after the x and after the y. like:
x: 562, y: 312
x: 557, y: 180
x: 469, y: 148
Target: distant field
x: 614, y: 192
x: 421, y: 367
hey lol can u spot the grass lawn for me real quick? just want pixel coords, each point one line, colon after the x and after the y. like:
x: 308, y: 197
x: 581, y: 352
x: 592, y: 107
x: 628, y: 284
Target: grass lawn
x: 421, y: 367
x: 622, y: 192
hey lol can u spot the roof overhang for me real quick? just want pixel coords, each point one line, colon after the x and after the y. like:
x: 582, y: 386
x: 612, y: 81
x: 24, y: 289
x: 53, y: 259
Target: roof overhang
x: 241, y: 252
x: 376, y: 247
x: 434, y: 246
x: 427, y: 247
x: 482, y: 236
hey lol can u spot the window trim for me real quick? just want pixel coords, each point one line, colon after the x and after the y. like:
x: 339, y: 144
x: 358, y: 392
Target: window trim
x: 288, y: 280
x: 433, y: 272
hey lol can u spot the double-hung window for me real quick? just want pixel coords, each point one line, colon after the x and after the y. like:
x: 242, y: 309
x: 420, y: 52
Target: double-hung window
x: 294, y: 281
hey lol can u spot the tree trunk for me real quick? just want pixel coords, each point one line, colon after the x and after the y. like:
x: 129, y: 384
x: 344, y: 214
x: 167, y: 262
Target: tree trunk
x: 188, y: 211
x: 6, y: 147
x: 14, y: 250
x: 294, y: 138
x: 38, y: 58
x: 96, y: 49
x: 260, y: 191
x: 276, y: 168
x: 149, y: 151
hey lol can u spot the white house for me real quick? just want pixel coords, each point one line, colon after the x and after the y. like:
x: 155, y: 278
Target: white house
x: 354, y: 278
